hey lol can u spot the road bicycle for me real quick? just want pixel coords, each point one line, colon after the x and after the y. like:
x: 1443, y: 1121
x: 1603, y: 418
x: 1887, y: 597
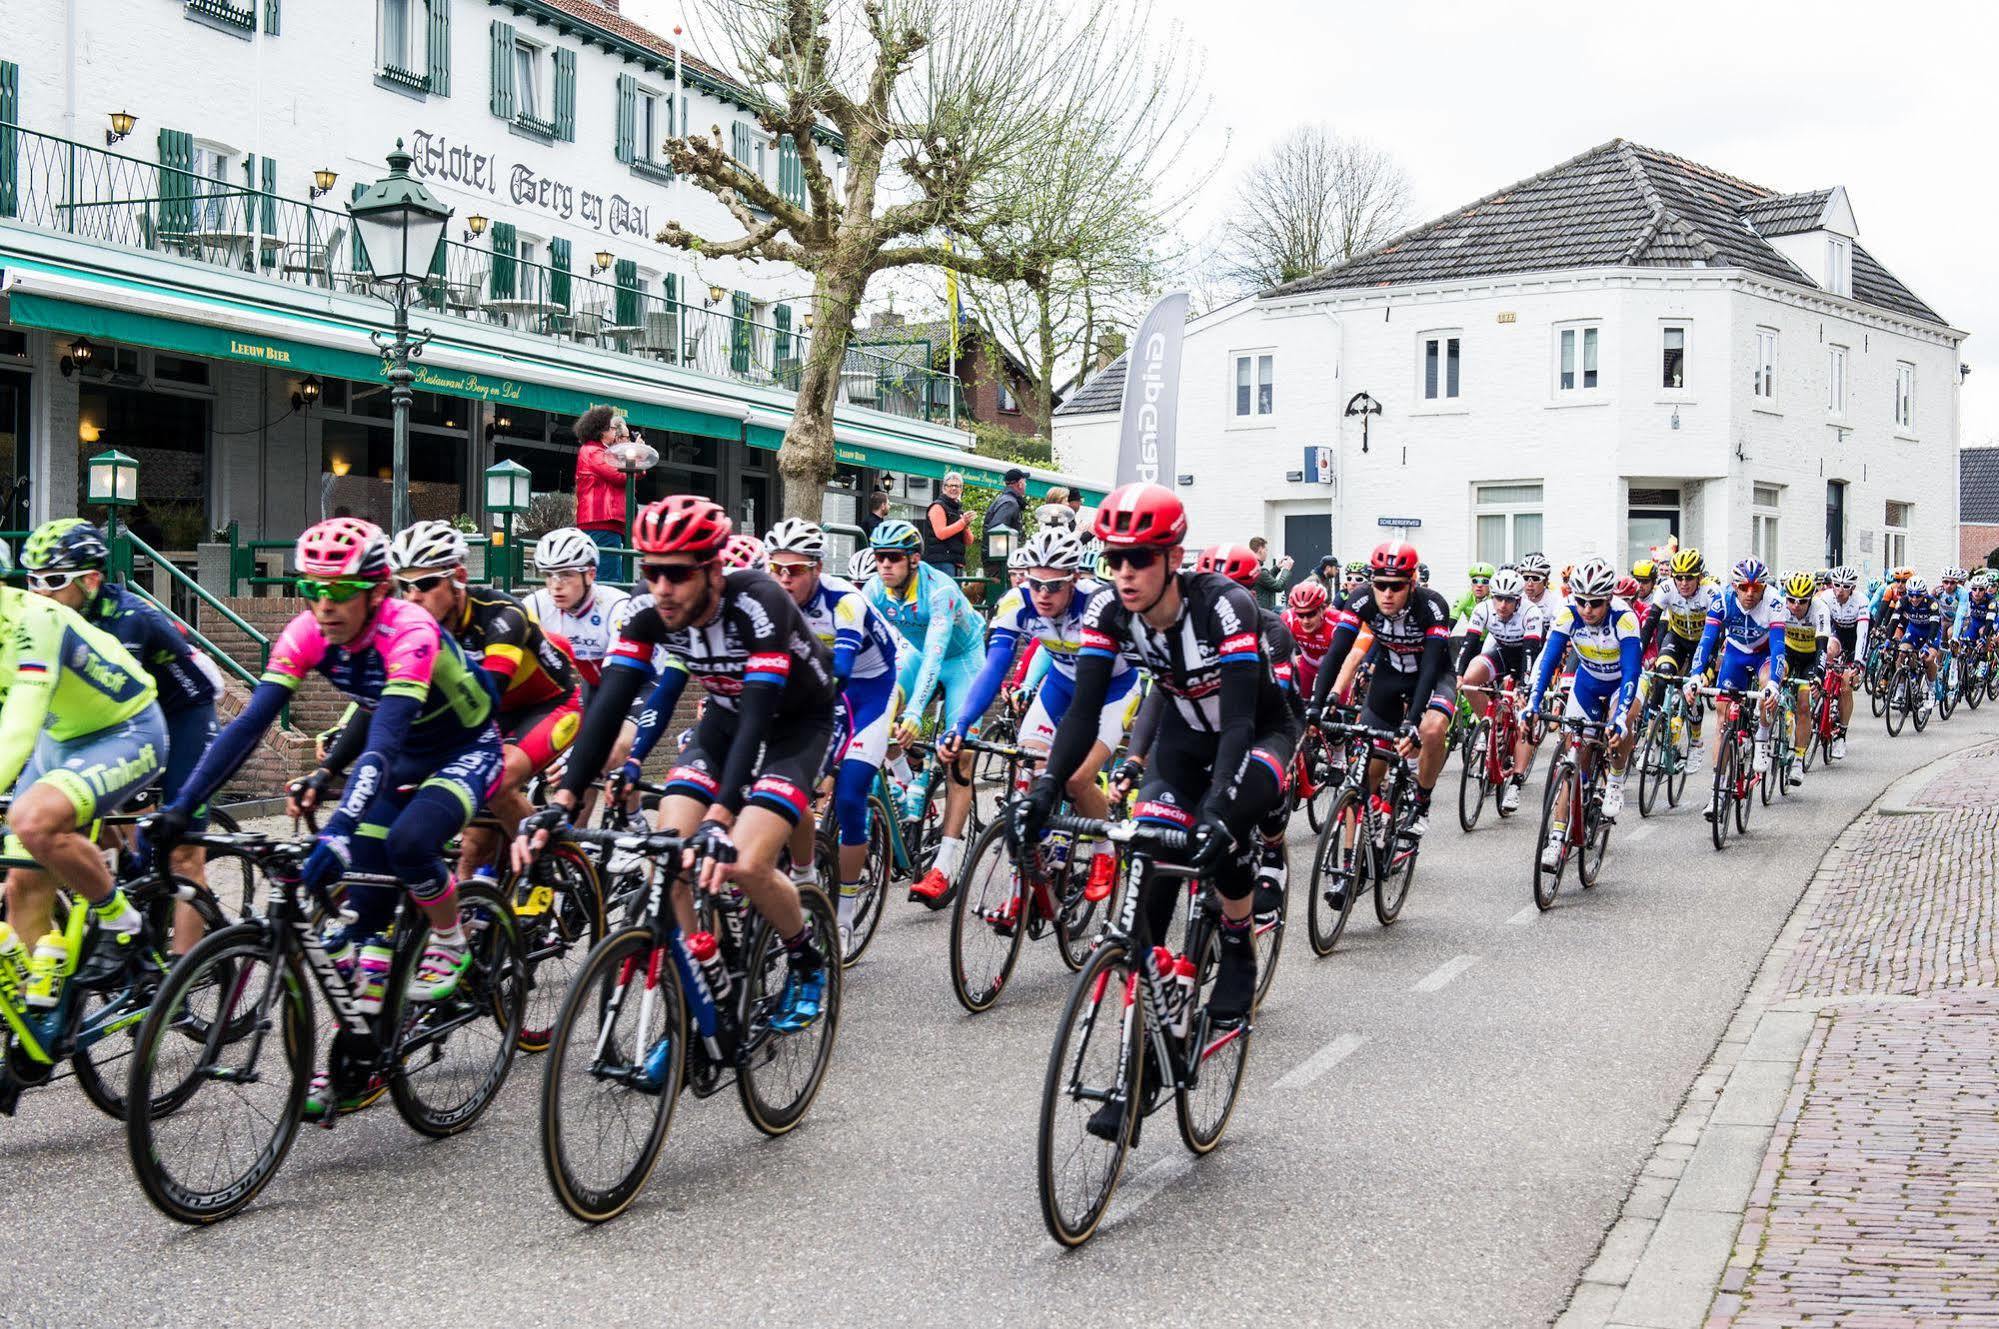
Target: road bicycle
x: 1880, y: 664
x: 1315, y: 776
x: 1574, y: 816
x: 1366, y: 841
x: 1136, y: 1028
x: 1735, y: 770
x: 1665, y: 745
x: 1827, y: 729
x: 655, y: 1009
x: 1976, y: 671
x: 227, y: 1052
x: 1489, y: 752
x: 1906, y: 696
x: 1784, y: 758
x: 1949, y: 684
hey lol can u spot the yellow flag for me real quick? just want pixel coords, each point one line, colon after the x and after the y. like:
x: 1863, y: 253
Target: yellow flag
x: 951, y: 301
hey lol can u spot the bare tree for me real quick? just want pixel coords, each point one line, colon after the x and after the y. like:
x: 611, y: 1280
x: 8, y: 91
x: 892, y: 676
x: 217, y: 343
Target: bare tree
x: 1316, y: 199
x: 937, y: 104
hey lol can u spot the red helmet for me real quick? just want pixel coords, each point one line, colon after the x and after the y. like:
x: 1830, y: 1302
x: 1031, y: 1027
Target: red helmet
x: 1308, y: 595
x: 1397, y: 558
x: 744, y: 551
x: 1238, y: 563
x: 1141, y: 516
x: 681, y: 524
x: 1627, y: 588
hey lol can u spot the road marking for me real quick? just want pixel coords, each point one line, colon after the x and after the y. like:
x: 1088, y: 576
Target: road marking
x: 1146, y: 1185
x: 1445, y: 972
x: 1640, y: 832
x: 1526, y: 916
x: 1316, y: 1065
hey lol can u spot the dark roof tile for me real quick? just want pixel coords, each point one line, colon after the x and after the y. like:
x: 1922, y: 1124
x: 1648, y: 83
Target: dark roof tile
x: 1103, y: 391
x: 1978, y: 486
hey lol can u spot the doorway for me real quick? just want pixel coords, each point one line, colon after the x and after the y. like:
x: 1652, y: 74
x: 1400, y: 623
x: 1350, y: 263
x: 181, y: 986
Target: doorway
x: 1652, y: 518
x: 14, y: 459
x: 1308, y: 537
x: 1835, y: 523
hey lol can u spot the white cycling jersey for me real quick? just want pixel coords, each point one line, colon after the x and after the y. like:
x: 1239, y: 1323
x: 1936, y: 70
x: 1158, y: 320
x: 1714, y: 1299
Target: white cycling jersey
x: 594, y: 625
x: 1526, y: 622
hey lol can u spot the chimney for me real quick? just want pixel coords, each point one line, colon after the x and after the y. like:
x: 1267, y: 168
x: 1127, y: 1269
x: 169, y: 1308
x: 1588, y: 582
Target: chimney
x: 1109, y: 347
x: 886, y: 318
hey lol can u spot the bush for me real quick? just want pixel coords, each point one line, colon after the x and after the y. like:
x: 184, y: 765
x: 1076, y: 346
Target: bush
x: 546, y: 512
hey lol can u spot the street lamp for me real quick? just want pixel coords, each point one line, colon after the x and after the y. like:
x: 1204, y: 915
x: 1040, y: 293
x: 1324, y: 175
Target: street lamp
x: 121, y: 128
x: 1000, y: 542
x: 508, y: 490
x: 400, y: 225
x: 475, y: 226
x: 111, y: 482
x: 601, y: 262
x: 322, y: 183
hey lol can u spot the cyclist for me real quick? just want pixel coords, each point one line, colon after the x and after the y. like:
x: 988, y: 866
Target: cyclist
x: 1922, y: 628
x: 572, y: 603
x: 1646, y: 573
x: 1536, y: 594
x: 1628, y: 591
x: 1048, y: 608
x: 429, y: 753
x: 1673, y: 631
x: 530, y: 668
x: 1480, y: 576
x: 864, y: 653
x: 1502, y: 640
x: 1354, y: 584
x: 745, y: 778
x: 1225, y: 740
x: 1976, y: 615
x: 80, y: 734
x: 1604, y: 632
x: 1311, y: 627
x: 1416, y: 692
x: 1949, y: 595
x: 1750, y: 629
x: 64, y: 560
x: 1806, y: 630
x: 926, y: 605
x: 1017, y: 565
x: 1846, y: 617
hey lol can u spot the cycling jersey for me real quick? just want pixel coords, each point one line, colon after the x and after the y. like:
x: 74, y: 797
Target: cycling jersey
x: 1804, y: 637
x: 1060, y: 639
x: 1217, y: 626
x: 1849, y: 621
x: 184, y: 678
x: 932, y: 612
x: 1486, y: 633
x: 1750, y: 638
x: 594, y: 624
x: 1415, y: 642
x: 1684, y: 616
x: 1312, y: 644
x: 1948, y: 602
x: 1922, y: 624
x: 862, y: 643
x: 1606, y: 652
x: 62, y: 677
x: 1974, y: 619
x: 531, y: 665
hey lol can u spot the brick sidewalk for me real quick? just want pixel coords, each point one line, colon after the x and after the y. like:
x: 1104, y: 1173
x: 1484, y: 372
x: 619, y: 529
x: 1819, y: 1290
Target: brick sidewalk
x: 1878, y: 1201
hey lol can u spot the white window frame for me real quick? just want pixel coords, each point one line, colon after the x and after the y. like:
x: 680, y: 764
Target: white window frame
x: 1765, y: 509
x: 1839, y: 265
x: 1579, y: 340
x: 1895, y: 538
x: 528, y: 83
x: 1763, y: 379
x: 1262, y: 385
x: 645, y: 124
x: 1905, y: 396
x: 416, y: 23
x: 1509, y: 509
x: 1446, y: 393
x: 1838, y: 362
x: 1685, y: 328
x: 217, y: 189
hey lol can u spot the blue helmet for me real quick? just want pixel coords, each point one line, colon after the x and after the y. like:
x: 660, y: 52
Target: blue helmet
x: 1748, y: 572
x: 896, y: 534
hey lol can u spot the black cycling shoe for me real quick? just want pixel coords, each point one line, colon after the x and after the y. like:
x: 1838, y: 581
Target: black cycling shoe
x: 1235, y: 980
x: 109, y: 957
x: 1104, y: 1122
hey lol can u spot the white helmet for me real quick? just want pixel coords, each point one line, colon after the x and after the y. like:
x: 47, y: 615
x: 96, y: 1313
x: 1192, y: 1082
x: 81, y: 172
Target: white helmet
x: 427, y: 544
x: 1507, y: 582
x: 1844, y: 576
x: 1952, y: 574
x: 861, y: 563
x: 1018, y: 561
x: 1054, y: 547
x: 795, y: 535
x: 565, y: 549
x: 1596, y: 577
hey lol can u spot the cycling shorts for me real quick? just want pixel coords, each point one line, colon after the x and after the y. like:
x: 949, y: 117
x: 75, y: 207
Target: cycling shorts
x: 1592, y: 698
x: 1848, y: 637
x: 1680, y: 650
x: 1799, y: 667
x: 543, y: 731
x: 954, y: 679
x: 1391, y: 697
x: 1052, y: 700
x: 99, y: 773
x: 1180, y: 774
x: 1742, y: 670
x: 189, y: 732
x: 870, y: 715
x: 793, y: 754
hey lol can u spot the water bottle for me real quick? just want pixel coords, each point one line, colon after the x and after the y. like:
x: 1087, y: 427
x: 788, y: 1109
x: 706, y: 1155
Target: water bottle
x: 707, y: 955
x: 1174, y: 997
x: 1183, y: 985
x: 45, y: 983
x: 13, y: 962
x: 1055, y: 855
x: 913, y: 797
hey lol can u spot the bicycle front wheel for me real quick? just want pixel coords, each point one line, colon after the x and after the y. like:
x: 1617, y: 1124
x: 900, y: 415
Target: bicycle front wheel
x: 454, y: 1054
x: 1562, y: 780
x: 1217, y: 1055
x: 1652, y: 759
x: 559, y: 909
x: 988, y: 923
x: 778, y: 1073
x: 1893, y: 707
x: 1340, y: 862
x: 1471, y: 776
x: 1093, y: 1068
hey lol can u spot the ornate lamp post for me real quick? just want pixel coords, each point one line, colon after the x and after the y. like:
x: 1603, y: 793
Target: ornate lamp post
x: 111, y: 481
x: 508, y: 490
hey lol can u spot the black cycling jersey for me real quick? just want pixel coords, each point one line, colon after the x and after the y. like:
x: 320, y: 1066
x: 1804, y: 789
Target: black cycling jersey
x: 1282, y: 648
x: 1414, y: 642
x: 496, y: 630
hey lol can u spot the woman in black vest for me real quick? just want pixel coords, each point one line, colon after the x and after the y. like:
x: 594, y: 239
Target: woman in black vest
x: 944, y: 527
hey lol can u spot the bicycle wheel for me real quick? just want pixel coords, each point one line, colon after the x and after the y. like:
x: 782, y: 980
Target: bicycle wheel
x: 1894, y: 710
x: 1722, y: 804
x: 778, y: 1074
x: 1652, y: 758
x: 1974, y: 688
x: 604, y: 1118
x: 1561, y: 793
x: 1267, y: 933
x: 1921, y: 698
x: 1596, y: 840
x: 1098, y: 1058
x: 1471, y: 776
x: 1879, y: 683
x: 559, y: 909
x: 1951, y: 685
x: 1745, y: 801
x: 239, y: 1084
x: 453, y: 1055
x: 1325, y: 787
x: 1397, y: 866
x: 1340, y: 862
x: 1205, y: 1106
x: 1076, y: 922
x: 988, y: 922
x: 875, y: 875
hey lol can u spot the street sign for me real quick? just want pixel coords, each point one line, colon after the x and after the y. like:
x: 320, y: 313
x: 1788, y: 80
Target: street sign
x: 1405, y: 523
x: 1318, y: 465
x: 1295, y: 477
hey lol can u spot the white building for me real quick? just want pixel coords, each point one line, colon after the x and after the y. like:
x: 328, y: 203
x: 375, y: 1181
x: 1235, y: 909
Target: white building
x: 1626, y: 345
x: 207, y: 264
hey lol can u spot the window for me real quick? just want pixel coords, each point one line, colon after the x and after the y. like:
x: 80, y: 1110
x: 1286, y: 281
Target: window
x: 1673, y: 357
x: 400, y: 20
x: 1007, y: 401
x: 1255, y: 387
x: 215, y: 199
x: 739, y: 142
x: 1765, y: 370
x: 540, y: 102
x: 1839, y: 265
x: 1442, y: 356
x: 527, y: 81
x: 1835, y: 380
x: 1577, y: 370
x: 1895, y: 535
x: 1763, y: 524
x: 414, y: 44
x: 1652, y: 516
x: 653, y: 113
x: 1508, y: 518
x: 1905, y: 394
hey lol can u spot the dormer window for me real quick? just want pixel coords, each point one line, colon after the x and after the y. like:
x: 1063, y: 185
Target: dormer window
x: 1839, y: 265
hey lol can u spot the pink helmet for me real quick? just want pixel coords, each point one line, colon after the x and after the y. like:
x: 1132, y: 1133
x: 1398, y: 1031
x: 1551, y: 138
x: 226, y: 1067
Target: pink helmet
x: 343, y: 547
x: 744, y: 551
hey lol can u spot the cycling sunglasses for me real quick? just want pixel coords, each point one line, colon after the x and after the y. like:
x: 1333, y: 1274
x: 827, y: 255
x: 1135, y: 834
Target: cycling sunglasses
x: 787, y: 571
x: 1481, y: 581
x: 1389, y: 587
x: 423, y: 585
x: 1050, y: 585
x: 674, y: 574
x: 339, y: 589
x: 51, y: 581
x: 1506, y: 599
x: 1136, y: 559
x: 1592, y: 601
x: 890, y: 556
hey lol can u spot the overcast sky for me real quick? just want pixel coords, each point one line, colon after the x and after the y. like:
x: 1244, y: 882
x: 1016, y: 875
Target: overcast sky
x: 1897, y: 102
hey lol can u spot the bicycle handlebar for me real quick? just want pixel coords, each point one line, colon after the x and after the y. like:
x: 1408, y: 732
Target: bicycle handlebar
x: 649, y: 842
x: 1164, y: 838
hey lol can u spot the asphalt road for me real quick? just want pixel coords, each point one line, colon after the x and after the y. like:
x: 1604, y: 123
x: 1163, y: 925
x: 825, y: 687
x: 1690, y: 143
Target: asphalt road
x: 1440, y: 1122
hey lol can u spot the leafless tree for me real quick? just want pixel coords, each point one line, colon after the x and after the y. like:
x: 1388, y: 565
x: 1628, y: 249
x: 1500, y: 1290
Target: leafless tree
x: 1314, y: 200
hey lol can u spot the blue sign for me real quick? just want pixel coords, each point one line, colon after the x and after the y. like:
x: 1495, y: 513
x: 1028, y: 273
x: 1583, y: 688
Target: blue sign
x: 1318, y: 465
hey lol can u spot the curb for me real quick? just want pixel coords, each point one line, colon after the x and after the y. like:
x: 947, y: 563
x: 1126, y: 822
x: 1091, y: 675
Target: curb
x: 1679, y: 1240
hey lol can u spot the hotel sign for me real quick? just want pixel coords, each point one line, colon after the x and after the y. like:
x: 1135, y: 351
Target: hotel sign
x: 435, y: 157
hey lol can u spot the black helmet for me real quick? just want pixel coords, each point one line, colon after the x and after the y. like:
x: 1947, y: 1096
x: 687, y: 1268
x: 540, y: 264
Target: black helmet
x: 67, y: 544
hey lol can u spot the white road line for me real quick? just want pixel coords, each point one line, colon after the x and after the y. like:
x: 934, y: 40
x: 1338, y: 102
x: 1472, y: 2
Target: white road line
x: 1133, y: 1195
x: 1640, y: 832
x: 1525, y: 916
x: 1316, y: 1065
x: 1445, y: 972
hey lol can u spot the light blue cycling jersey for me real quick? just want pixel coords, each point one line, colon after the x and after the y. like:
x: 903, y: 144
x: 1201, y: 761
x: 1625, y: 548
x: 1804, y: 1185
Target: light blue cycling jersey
x: 933, y: 613
x: 864, y: 646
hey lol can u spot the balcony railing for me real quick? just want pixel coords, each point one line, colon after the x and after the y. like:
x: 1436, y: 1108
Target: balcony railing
x: 55, y: 184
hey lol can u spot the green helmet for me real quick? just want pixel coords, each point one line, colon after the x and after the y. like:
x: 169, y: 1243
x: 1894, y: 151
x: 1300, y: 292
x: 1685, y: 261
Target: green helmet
x: 1357, y: 568
x: 895, y: 534
x: 1477, y: 570
x: 67, y: 544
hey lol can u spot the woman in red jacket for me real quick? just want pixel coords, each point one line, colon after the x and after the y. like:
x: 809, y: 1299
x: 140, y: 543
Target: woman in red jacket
x: 600, y: 486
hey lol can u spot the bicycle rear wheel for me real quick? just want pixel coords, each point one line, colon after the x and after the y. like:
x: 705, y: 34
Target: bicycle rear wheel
x: 1892, y: 708
x: 1397, y: 866
x: 1097, y: 1059
x: 875, y: 876
x: 1596, y: 841
x: 1218, y: 1056
x: 453, y: 1055
x: 778, y: 1074
x: 1562, y: 779
x: 1471, y: 776
x: 604, y: 1117
x: 1340, y: 861
x: 238, y: 1092
x: 559, y: 909
x: 988, y: 922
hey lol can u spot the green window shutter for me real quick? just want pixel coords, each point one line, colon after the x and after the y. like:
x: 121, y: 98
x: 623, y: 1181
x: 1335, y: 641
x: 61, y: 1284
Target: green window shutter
x: 790, y: 171
x: 439, y: 47
x: 628, y: 117
x: 270, y: 200
x: 739, y: 141
x: 10, y: 139
x: 271, y: 17
x: 176, y: 180
x: 626, y: 312
x: 558, y: 271
x: 357, y: 251
x: 781, y: 316
x: 739, y: 333
x: 565, y: 94
x: 504, y: 266
x: 503, y: 70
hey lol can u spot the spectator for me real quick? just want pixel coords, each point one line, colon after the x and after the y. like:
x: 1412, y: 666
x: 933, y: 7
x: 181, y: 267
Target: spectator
x: 1009, y: 506
x: 877, y: 509
x: 944, y: 524
x: 1074, y: 498
x: 1270, y: 581
x: 1329, y: 575
x: 600, y: 487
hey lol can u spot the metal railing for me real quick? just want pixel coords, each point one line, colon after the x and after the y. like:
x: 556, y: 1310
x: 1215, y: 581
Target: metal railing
x: 56, y: 184
x: 126, y: 544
